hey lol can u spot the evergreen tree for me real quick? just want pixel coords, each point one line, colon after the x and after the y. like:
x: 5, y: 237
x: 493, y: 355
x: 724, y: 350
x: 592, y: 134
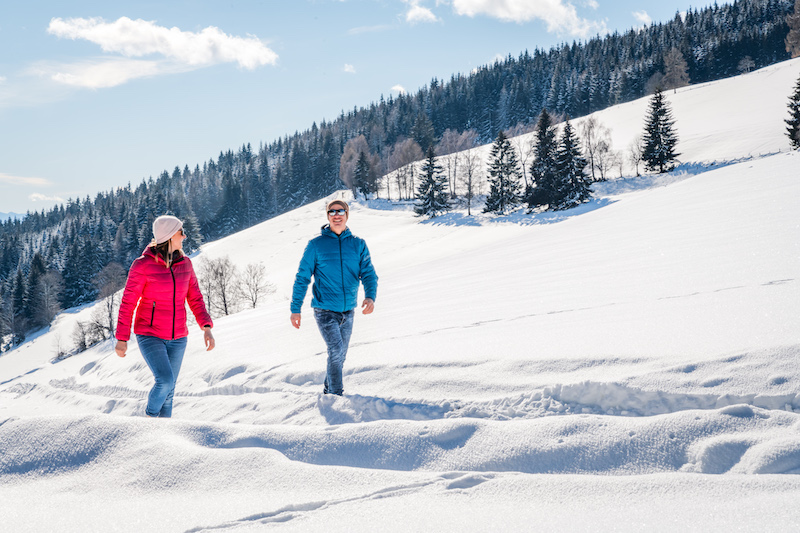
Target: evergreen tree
x: 33, y: 297
x: 362, y: 174
x: 544, y: 170
x: 660, y: 137
x: 423, y: 132
x: 432, y: 191
x: 793, y: 123
x: 18, y: 295
x: 503, y: 177
x: 574, y: 186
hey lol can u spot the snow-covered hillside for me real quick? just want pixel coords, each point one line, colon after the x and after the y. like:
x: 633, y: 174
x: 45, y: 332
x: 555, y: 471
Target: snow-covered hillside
x: 628, y: 365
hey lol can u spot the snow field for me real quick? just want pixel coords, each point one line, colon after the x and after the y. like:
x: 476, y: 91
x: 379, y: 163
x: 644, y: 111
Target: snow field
x: 627, y: 365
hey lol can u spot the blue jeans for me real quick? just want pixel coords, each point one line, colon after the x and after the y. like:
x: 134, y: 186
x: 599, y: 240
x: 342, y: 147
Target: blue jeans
x: 335, y: 328
x: 164, y: 357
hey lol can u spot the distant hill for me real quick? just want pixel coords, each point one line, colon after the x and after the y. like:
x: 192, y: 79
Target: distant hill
x: 9, y: 216
x: 241, y: 188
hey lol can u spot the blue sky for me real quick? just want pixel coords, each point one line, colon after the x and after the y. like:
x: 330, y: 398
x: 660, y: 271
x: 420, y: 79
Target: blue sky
x: 98, y: 94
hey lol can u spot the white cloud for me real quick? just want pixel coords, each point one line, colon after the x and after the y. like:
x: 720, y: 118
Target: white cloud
x: 36, y: 197
x: 350, y: 69
x: 642, y: 17
x: 559, y: 15
x: 20, y: 180
x: 180, y: 50
x: 399, y: 89
x: 102, y: 74
x: 3, y: 80
x: 417, y: 13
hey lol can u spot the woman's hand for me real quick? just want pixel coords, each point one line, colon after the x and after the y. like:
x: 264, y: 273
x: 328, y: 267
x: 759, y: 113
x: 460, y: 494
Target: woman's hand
x: 121, y: 348
x: 209, y: 339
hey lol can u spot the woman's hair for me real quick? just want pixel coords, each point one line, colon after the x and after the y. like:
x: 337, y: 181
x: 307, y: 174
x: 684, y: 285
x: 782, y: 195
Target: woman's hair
x: 164, y: 250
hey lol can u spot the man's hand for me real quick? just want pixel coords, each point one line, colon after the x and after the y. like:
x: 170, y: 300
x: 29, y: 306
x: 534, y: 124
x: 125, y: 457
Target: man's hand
x: 121, y: 348
x: 368, y: 305
x: 295, y: 318
x: 208, y: 338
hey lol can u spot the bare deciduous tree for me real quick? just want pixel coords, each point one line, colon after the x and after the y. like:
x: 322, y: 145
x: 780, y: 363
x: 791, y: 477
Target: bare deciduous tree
x: 219, y: 281
x: 524, y: 144
x: 792, y: 40
x: 109, y: 281
x: 347, y: 164
x: 403, y: 155
x: 675, y: 70
x: 635, y: 156
x: 746, y: 64
x: 449, y: 147
x: 470, y: 178
x: 596, y: 141
x: 255, y: 284
x: 51, y: 285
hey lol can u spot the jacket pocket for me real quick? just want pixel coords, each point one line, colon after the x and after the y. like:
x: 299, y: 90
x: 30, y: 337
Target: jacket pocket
x: 153, y: 315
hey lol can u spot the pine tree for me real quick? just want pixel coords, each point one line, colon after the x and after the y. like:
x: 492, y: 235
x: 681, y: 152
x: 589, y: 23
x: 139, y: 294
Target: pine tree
x: 432, y: 191
x: 793, y: 129
x: 422, y: 131
x: 503, y: 177
x: 361, y: 174
x: 33, y: 295
x: 544, y: 170
x: 660, y: 138
x: 574, y: 186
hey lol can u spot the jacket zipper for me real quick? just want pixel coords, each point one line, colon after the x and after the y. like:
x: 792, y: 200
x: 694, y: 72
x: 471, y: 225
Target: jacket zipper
x: 153, y: 315
x: 174, y: 290
x: 341, y: 268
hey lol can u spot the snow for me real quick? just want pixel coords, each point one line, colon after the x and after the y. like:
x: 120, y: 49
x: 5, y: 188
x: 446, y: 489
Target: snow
x: 627, y: 365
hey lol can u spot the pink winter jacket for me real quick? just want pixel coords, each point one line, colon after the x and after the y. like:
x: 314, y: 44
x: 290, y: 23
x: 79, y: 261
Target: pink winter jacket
x: 158, y: 295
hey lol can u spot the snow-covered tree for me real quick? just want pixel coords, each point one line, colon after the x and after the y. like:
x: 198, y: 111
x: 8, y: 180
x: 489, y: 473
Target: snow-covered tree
x: 544, y: 171
x: 573, y: 183
x: 503, y: 177
x: 432, y: 192
x: 793, y: 123
x: 660, y: 138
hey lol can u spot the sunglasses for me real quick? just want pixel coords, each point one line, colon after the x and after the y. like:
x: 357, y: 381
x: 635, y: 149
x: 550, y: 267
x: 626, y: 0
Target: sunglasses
x: 340, y: 212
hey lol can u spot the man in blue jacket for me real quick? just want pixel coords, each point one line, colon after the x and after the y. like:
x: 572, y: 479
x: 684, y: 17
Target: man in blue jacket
x: 338, y: 260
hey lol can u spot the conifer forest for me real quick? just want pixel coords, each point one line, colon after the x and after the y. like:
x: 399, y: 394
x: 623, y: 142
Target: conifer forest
x: 50, y: 259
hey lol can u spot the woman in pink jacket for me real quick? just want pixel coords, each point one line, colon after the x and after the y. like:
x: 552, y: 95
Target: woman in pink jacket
x: 160, y: 283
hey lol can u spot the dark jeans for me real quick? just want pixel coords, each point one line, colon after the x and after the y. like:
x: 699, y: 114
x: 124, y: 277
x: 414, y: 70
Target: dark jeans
x: 335, y: 328
x: 164, y: 358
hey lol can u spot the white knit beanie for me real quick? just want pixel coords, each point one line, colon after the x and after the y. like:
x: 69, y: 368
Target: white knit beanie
x: 164, y: 227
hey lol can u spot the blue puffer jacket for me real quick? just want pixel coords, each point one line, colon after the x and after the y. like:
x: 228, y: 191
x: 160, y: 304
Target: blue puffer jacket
x: 338, y: 263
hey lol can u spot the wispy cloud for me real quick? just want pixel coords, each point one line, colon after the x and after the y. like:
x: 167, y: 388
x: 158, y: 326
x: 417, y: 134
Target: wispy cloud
x: 36, y: 197
x: 26, y: 181
x: 642, y: 18
x: 399, y: 89
x: 417, y: 13
x: 103, y: 73
x: 350, y: 69
x: 178, y: 50
x: 560, y: 16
